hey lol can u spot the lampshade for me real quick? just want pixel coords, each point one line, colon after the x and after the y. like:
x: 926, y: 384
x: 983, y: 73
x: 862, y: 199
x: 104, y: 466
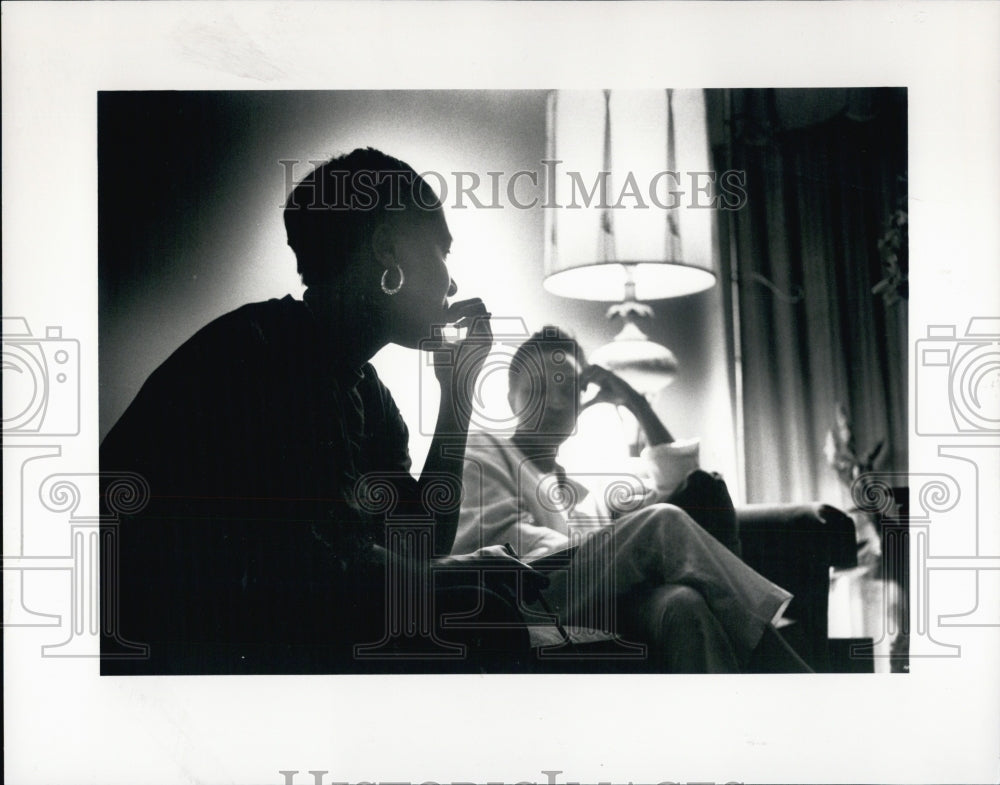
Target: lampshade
x: 631, y: 194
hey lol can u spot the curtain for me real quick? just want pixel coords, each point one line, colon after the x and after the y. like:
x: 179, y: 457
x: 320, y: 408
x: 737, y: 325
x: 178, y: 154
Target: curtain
x: 806, y: 332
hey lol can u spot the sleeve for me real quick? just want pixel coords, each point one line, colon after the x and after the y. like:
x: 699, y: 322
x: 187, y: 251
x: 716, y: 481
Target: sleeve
x: 492, y: 512
x: 668, y: 464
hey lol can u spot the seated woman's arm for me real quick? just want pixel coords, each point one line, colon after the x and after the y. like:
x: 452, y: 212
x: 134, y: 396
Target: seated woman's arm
x: 668, y: 461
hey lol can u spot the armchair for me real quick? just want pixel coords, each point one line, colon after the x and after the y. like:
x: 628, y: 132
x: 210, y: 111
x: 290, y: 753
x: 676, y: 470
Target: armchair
x: 793, y: 545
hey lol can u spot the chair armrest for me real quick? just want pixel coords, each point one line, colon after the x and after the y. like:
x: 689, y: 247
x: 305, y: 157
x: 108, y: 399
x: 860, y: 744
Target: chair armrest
x: 819, y: 533
x: 794, y: 546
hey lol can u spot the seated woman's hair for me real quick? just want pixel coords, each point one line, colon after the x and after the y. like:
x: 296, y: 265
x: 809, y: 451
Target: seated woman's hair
x: 336, y: 207
x: 549, y: 339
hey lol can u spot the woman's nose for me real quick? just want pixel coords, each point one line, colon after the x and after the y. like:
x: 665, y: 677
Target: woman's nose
x: 452, y: 287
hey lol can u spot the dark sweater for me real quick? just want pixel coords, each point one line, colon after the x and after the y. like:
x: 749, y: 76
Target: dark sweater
x: 252, y: 439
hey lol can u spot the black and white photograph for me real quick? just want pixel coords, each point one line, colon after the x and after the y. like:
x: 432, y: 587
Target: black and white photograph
x: 573, y: 419
x: 766, y: 227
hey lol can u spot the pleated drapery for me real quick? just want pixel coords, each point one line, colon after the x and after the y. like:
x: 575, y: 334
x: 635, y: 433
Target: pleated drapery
x: 804, y: 252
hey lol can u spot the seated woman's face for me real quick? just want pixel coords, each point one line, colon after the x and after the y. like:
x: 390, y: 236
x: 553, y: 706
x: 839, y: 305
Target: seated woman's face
x: 546, y: 396
x: 421, y: 242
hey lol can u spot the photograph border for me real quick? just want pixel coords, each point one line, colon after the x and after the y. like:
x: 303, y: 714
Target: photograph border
x: 939, y: 723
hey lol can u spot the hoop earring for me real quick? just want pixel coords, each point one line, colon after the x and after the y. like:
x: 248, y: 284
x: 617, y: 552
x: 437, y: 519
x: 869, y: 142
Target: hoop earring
x: 397, y: 287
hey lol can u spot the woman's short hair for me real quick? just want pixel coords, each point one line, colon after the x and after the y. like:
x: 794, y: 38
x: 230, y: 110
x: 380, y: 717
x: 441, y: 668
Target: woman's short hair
x: 549, y: 339
x: 335, y: 208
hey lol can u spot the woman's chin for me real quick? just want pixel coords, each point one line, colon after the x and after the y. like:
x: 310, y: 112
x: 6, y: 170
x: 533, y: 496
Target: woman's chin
x: 412, y: 333
x: 411, y: 341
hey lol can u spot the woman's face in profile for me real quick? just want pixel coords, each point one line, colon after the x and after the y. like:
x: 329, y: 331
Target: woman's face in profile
x: 422, y: 245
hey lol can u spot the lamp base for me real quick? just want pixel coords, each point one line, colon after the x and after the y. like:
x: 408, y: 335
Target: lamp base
x: 646, y: 365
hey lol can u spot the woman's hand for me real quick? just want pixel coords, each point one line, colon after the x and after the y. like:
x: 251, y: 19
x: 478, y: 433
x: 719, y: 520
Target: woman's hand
x: 612, y: 388
x: 498, y: 564
x: 457, y: 365
x: 492, y: 555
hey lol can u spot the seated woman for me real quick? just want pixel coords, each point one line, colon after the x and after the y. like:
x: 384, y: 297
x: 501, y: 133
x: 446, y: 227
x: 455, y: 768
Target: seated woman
x: 258, y: 551
x: 677, y: 587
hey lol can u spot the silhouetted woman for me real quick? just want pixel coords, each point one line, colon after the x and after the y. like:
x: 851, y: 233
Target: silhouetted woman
x: 275, y: 457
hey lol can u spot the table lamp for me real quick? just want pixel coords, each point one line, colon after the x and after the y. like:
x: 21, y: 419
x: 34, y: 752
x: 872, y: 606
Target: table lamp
x: 630, y: 212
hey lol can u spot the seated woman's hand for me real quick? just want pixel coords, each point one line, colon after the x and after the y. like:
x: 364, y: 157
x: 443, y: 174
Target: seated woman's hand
x: 497, y: 564
x: 611, y: 388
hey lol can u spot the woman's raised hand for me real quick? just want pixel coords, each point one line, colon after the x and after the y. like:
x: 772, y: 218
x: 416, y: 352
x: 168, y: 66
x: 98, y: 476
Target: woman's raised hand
x: 614, y: 389
x: 458, y: 364
x: 611, y: 388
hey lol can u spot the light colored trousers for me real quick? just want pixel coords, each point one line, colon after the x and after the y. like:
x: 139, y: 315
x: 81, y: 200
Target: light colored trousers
x: 657, y: 573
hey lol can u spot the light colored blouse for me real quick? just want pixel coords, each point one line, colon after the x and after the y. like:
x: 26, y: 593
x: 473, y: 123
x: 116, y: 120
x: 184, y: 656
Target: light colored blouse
x: 507, y: 499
